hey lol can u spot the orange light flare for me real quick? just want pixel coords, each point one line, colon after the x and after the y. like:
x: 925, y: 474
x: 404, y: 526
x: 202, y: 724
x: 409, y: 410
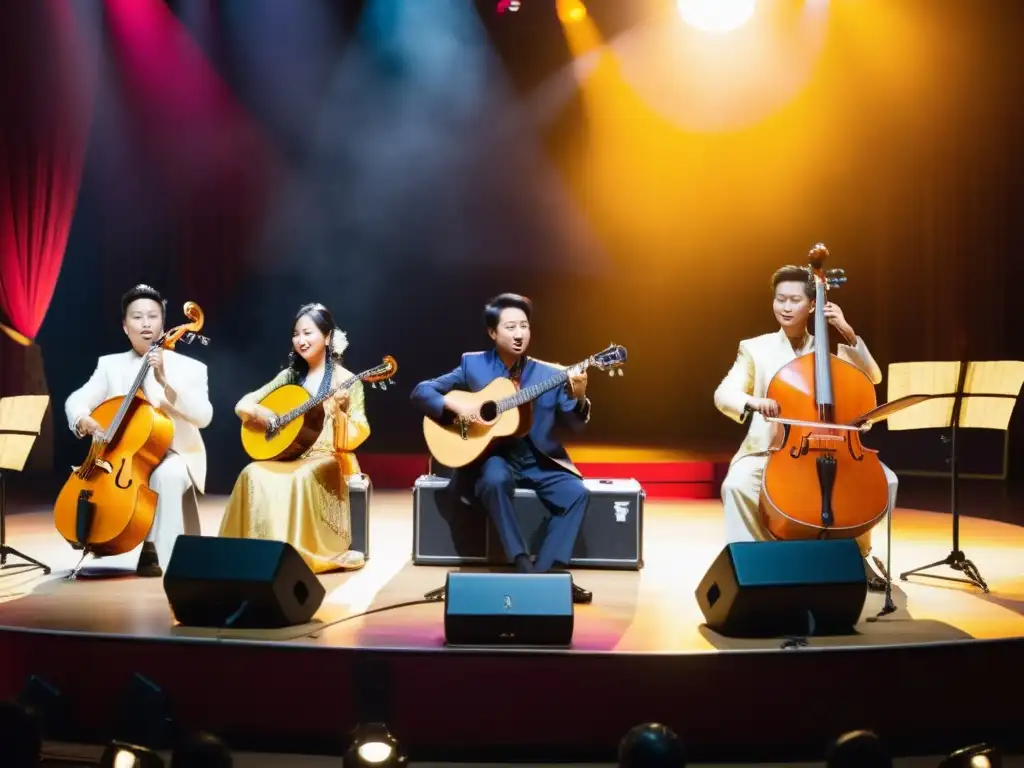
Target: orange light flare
x: 689, y: 131
x: 571, y: 11
x: 581, y: 33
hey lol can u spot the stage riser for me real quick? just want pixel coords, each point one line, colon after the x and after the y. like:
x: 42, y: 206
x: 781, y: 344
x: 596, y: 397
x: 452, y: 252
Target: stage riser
x: 727, y: 706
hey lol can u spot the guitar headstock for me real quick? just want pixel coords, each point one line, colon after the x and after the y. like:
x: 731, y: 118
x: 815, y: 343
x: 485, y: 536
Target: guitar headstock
x: 382, y: 374
x: 609, y: 359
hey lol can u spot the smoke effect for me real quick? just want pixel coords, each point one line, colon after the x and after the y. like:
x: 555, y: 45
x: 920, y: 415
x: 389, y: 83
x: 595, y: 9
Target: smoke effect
x: 422, y: 155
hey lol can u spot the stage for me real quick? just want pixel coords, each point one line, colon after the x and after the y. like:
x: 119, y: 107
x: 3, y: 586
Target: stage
x: 639, y: 651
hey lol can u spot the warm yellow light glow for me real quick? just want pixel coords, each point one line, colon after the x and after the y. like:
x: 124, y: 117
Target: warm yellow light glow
x: 15, y: 336
x: 716, y: 15
x: 570, y: 11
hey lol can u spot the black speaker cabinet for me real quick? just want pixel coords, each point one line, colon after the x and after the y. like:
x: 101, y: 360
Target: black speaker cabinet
x: 777, y: 588
x: 508, y: 609
x: 240, y: 583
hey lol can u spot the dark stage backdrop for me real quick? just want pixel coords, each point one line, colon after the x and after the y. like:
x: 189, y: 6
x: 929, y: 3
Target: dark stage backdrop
x: 395, y: 165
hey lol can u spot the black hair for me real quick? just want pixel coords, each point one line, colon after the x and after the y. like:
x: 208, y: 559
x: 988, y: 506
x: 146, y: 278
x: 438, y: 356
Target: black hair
x: 142, y: 291
x: 794, y: 274
x: 202, y: 750
x: 492, y: 312
x: 651, y: 745
x: 322, y: 319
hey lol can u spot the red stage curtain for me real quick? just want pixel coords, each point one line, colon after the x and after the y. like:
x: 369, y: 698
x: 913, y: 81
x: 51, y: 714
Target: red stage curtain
x: 47, y: 82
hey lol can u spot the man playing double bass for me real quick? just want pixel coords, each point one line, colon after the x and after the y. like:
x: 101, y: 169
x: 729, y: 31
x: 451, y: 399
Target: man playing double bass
x: 175, y: 384
x: 742, y: 393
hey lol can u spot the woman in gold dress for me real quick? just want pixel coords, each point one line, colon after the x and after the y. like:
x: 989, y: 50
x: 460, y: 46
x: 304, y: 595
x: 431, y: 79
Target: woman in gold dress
x: 305, y: 501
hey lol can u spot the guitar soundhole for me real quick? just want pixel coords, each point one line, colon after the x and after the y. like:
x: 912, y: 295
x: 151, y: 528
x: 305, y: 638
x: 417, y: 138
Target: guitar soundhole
x: 489, y: 411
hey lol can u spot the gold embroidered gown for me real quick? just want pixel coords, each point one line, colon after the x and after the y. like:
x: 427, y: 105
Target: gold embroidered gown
x: 304, y: 501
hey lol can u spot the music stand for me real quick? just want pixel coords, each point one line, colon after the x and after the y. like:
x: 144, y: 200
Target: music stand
x: 21, y: 420
x: 972, y: 395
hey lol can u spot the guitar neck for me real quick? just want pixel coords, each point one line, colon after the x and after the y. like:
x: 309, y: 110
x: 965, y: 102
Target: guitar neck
x: 524, y: 396
x: 313, y: 402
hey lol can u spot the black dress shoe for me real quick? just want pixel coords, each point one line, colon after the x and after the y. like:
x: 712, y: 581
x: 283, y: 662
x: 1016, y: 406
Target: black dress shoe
x: 149, y: 563
x: 581, y: 595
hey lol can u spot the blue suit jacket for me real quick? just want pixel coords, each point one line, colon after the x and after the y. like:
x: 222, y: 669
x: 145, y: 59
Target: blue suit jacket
x: 554, y: 408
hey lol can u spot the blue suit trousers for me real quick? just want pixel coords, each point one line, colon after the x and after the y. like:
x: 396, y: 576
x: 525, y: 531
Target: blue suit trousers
x: 562, y: 492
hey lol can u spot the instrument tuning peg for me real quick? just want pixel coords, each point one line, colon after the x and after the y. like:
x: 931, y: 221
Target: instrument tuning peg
x: 621, y: 372
x: 612, y: 373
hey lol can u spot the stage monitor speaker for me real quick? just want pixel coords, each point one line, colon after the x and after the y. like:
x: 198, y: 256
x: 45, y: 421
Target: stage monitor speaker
x: 240, y: 583
x: 522, y: 609
x: 779, y: 588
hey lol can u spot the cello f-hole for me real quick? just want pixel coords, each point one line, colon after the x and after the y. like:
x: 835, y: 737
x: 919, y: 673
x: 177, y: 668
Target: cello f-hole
x: 117, y: 480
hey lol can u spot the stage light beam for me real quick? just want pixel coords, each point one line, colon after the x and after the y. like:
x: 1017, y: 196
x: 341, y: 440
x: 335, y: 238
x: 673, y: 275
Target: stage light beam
x: 716, y: 16
x: 571, y: 11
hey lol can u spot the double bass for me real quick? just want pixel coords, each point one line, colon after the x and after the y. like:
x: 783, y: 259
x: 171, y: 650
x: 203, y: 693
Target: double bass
x: 819, y: 480
x: 106, y: 507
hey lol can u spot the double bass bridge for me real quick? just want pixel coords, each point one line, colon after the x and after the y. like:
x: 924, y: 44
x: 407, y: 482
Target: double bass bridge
x: 816, y: 443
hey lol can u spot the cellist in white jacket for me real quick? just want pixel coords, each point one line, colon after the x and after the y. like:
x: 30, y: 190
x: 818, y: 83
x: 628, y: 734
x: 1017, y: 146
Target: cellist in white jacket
x: 175, y: 384
x: 742, y: 394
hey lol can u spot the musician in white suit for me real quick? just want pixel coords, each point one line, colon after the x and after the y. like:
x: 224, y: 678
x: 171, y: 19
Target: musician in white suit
x: 742, y: 394
x: 175, y: 384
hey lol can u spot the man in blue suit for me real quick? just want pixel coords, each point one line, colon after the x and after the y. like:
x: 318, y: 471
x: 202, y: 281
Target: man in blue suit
x: 538, y: 460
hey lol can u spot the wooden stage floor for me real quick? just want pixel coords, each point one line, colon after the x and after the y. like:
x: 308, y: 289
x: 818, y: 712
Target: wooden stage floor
x: 650, y: 611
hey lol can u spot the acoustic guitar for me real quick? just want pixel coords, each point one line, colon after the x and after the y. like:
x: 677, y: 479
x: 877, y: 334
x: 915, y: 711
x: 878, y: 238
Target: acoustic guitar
x: 503, y: 411
x: 299, y: 418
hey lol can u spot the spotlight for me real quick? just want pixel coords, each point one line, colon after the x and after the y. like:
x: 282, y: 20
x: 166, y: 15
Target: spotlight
x: 977, y: 756
x: 716, y: 15
x: 20, y: 734
x: 372, y: 744
x: 570, y: 11
x: 858, y: 749
x: 145, y: 715
x: 52, y: 708
x: 122, y: 755
x: 651, y: 745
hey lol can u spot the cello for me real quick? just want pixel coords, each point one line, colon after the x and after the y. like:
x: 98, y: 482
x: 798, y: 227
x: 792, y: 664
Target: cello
x: 106, y: 507
x: 820, y: 481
